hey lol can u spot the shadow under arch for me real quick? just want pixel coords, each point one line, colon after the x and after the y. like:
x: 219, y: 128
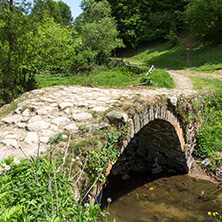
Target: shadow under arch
x: 155, y: 151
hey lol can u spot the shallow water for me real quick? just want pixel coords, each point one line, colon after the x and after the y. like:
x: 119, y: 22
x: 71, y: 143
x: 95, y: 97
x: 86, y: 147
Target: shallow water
x: 164, y: 198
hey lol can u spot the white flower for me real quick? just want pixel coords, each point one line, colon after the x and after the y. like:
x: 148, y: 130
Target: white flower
x: 4, y: 165
x: 86, y: 205
x: 73, y: 159
x: 7, y: 167
x: 77, y: 158
x: 109, y: 200
x: 16, y: 161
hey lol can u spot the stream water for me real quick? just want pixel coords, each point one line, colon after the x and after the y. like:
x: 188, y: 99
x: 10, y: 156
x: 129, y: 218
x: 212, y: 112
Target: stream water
x: 164, y: 197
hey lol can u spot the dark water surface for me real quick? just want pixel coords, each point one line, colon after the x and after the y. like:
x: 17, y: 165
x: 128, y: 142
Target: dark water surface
x: 162, y: 198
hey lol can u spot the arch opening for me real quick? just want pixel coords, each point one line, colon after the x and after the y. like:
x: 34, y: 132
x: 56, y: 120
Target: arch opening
x: 154, y: 148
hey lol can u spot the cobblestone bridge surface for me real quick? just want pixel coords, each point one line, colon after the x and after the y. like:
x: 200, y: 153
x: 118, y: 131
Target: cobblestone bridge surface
x: 45, y: 112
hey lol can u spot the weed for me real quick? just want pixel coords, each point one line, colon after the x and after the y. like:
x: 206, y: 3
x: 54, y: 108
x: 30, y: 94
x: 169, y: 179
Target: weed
x: 55, y: 138
x: 84, y: 128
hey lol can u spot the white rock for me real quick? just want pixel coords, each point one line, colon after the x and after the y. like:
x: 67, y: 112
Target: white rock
x: 11, y: 136
x: 61, y: 121
x: 10, y: 143
x: 38, y: 103
x: 117, y: 117
x: 74, y: 92
x: 72, y: 128
x: 44, y: 110
x: 54, y: 128
x: 81, y: 117
x: 26, y: 113
x: 18, y: 110
x: 65, y: 105
x: 44, y: 139
x: 31, y: 138
x: 38, y: 125
x: 82, y: 105
x: 24, y: 103
x: 48, y: 100
x: 35, y: 119
x: 46, y: 133
x: 173, y: 100
x: 12, y: 120
x: 21, y: 125
x: 100, y: 108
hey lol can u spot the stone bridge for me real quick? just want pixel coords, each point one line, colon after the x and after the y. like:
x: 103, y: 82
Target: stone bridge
x: 158, y: 133
x: 161, y: 135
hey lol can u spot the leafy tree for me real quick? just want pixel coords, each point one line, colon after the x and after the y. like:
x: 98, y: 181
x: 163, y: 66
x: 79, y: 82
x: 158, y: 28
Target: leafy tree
x: 203, y: 18
x: 98, y: 33
x: 53, y: 44
x: 16, y: 68
x: 28, y: 47
x: 59, y: 11
x: 146, y: 20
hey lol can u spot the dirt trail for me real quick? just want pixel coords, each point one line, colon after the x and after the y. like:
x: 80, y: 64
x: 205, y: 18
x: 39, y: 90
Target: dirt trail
x: 182, y: 80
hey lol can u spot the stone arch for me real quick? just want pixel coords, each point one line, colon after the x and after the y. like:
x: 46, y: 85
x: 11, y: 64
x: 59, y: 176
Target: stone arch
x: 156, y: 134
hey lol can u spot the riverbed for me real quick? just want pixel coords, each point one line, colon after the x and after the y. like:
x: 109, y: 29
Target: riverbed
x: 164, y: 197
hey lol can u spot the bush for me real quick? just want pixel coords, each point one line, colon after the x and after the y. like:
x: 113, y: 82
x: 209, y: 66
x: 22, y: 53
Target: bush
x: 209, y: 137
x: 35, y: 191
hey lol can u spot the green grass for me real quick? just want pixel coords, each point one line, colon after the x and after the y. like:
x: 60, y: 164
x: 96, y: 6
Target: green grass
x: 161, y: 55
x: 106, y: 77
x: 164, y: 55
x: 204, y: 83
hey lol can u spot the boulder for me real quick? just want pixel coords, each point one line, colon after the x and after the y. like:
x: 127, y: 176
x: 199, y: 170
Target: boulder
x: 116, y: 117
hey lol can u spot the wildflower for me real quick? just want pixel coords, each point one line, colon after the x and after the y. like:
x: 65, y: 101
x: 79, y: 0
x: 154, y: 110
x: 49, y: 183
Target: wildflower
x: 86, y: 205
x: 7, y: 167
x: 109, y: 200
x: 77, y: 158
x: 4, y: 165
x: 209, y: 213
x: 73, y: 159
x: 93, y: 152
x: 16, y: 161
x: 215, y: 214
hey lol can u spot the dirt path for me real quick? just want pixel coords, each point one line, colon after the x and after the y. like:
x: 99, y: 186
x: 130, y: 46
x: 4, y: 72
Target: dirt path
x: 182, y: 80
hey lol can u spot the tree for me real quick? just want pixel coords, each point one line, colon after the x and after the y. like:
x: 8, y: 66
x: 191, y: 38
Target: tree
x: 28, y: 47
x: 203, y: 18
x: 146, y: 20
x: 16, y: 69
x: 98, y: 33
x: 59, y: 11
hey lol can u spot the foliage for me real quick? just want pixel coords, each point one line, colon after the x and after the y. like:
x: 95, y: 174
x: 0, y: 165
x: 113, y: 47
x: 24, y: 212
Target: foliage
x: 204, y: 83
x: 209, y: 137
x: 98, y: 34
x: 55, y: 138
x: 146, y: 20
x: 35, y: 191
x: 54, y: 45
x: 59, y: 11
x: 97, y: 156
x: 203, y: 18
x: 166, y: 55
x: 162, y: 79
x: 17, y: 64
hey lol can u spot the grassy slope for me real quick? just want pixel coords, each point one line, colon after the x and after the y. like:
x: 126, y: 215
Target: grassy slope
x: 161, y: 54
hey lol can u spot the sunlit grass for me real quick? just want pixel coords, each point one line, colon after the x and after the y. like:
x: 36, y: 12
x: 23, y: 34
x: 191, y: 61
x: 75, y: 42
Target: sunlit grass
x: 164, y: 55
x: 205, y: 83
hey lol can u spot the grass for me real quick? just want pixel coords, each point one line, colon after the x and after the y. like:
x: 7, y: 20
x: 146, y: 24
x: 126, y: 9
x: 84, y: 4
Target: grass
x: 164, y: 55
x: 204, y: 83
x: 106, y: 77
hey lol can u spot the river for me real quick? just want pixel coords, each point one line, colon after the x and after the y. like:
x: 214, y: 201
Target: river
x: 163, y: 198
